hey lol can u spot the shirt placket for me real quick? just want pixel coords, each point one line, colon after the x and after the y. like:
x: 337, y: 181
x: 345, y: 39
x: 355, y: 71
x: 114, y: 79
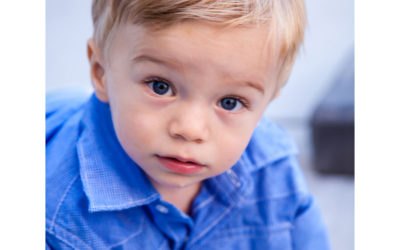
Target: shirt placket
x: 227, y: 194
x: 174, y: 224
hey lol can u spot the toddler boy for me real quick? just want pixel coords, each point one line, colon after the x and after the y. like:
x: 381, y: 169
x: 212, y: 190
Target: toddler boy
x: 172, y: 150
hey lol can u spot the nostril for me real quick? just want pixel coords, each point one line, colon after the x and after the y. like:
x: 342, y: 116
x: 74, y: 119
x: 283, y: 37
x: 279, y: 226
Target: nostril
x: 198, y: 140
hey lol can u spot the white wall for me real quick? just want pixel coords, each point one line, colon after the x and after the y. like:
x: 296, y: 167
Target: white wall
x: 329, y: 39
x: 68, y: 26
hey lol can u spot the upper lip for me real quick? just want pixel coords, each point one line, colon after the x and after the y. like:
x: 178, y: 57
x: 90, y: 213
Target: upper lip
x: 182, y: 159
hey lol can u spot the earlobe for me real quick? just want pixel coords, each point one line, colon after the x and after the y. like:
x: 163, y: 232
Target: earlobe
x: 97, y: 73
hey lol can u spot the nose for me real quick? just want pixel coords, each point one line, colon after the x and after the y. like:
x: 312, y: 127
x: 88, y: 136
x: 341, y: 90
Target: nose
x: 190, y: 123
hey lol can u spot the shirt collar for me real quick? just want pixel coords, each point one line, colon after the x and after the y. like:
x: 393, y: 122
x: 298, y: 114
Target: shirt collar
x: 269, y: 144
x: 111, y: 180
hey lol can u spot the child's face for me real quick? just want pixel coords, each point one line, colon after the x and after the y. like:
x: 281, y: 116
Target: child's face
x: 190, y: 93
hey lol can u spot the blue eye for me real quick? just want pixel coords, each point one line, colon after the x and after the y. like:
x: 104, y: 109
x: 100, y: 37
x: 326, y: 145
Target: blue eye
x: 230, y: 104
x: 160, y: 87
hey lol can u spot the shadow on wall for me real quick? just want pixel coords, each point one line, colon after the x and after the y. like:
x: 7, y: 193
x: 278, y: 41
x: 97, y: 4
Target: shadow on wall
x: 332, y: 124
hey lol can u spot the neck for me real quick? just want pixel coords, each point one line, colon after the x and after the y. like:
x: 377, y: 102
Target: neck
x: 182, y: 198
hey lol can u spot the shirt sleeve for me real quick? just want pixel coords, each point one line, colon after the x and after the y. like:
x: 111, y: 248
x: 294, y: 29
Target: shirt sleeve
x: 59, y: 107
x: 309, y: 230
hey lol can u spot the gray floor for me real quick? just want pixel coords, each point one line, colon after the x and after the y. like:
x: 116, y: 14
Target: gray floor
x: 334, y: 193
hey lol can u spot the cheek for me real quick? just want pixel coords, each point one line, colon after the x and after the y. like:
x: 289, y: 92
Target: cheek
x: 136, y: 130
x: 231, y: 146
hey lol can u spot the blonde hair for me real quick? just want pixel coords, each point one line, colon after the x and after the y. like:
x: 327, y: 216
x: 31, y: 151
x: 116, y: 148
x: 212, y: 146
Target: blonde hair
x: 287, y: 19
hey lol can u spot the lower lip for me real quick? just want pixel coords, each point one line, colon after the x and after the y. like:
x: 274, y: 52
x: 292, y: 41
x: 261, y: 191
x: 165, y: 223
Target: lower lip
x: 178, y: 166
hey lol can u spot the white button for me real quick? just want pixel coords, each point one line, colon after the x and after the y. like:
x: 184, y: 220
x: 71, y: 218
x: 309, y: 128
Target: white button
x: 161, y: 209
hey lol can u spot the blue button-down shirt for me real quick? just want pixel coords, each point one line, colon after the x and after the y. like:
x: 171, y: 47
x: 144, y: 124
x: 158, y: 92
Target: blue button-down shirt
x: 98, y: 198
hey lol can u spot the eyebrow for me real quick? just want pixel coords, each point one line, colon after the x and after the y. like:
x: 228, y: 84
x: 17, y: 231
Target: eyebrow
x: 178, y: 65
x: 146, y: 58
x: 255, y: 85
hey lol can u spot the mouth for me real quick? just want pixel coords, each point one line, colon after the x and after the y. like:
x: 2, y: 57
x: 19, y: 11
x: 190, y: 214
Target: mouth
x: 180, y: 165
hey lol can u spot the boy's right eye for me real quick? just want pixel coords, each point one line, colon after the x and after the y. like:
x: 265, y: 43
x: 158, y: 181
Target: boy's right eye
x: 160, y: 87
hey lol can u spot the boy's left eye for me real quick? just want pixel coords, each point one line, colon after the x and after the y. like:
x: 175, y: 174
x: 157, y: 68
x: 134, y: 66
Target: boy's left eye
x: 160, y: 87
x: 230, y: 104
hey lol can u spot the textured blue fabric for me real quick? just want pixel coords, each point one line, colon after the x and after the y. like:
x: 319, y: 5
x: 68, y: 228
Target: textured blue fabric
x: 98, y: 198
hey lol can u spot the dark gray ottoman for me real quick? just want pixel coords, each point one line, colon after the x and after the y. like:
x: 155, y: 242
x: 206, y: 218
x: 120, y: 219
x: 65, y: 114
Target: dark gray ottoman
x: 333, y: 125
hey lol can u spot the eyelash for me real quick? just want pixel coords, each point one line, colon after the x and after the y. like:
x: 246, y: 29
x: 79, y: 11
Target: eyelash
x: 156, y: 78
x: 243, y: 101
x: 148, y: 80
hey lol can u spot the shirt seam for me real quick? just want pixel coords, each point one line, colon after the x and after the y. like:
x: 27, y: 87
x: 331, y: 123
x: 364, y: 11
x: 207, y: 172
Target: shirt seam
x: 93, y: 207
x: 97, y: 208
x: 60, y: 238
x: 210, y: 226
x: 282, y: 196
x: 274, y: 160
x: 233, y: 176
x: 221, y: 191
x: 61, y: 201
x: 52, y: 232
x: 282, y: 226
x: 203, y: 203
x: 130, y: 236
x: 288, y: 227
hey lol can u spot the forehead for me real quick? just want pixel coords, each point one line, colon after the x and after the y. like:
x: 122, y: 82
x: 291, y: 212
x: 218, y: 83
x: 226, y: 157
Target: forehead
x: 246, y: 52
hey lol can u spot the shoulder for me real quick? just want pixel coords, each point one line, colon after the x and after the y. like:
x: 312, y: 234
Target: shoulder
x: 280, y: 193
x: 271, y: 163
x: 269, y: 143
x: 275, y: 193
x: 63, y: 113
x: 69, y: 223
x: 60, y: 107
x: 63, y: 187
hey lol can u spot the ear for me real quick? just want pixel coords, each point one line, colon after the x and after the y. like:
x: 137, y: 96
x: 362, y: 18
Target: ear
x: 97, y: 72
